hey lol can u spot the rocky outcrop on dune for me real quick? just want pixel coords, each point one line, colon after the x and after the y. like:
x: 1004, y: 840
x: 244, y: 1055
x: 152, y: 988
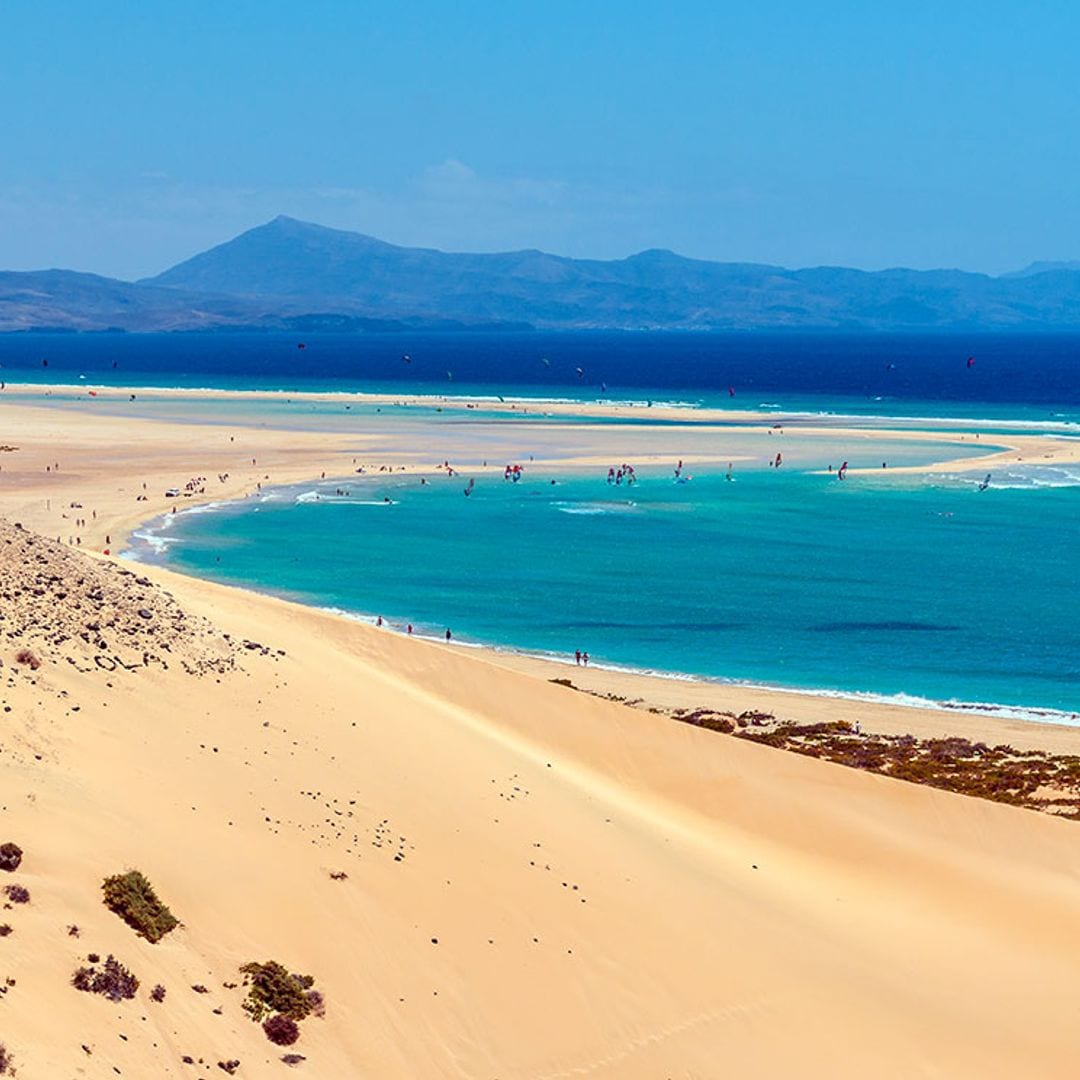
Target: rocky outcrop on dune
x: 58, y: 605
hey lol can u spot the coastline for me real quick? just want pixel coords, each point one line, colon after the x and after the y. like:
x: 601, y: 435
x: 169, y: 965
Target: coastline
x: 877, y: 712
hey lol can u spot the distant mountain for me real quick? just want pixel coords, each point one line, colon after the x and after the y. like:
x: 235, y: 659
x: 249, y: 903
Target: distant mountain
x: 292, y: 274
x: 344, y: 271
x: 69, y: 301
x: 1045, y: 268
x: 66, y: 300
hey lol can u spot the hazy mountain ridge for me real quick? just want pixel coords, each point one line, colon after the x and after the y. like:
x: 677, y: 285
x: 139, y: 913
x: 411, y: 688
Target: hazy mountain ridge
x: 290, y: 273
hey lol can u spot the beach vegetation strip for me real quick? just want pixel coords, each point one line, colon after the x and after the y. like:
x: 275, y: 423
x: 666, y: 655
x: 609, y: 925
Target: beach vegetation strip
x: 1033, y: 779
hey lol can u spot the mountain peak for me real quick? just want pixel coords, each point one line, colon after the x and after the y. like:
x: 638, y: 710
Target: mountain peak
x: 291, y: 265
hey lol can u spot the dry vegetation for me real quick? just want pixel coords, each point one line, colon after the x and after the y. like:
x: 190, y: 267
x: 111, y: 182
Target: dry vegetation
x: 1034, y: 779
x: 1030, y: 778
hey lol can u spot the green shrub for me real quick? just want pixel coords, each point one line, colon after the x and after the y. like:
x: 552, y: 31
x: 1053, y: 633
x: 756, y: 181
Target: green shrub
x: 132, y: 897
x: 274, y: 989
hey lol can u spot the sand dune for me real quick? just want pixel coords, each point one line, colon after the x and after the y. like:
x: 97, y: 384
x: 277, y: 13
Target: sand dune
x: 539, y: 883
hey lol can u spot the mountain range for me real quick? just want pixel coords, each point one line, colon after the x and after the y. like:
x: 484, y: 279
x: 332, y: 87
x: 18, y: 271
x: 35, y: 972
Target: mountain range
x: 290, y: 274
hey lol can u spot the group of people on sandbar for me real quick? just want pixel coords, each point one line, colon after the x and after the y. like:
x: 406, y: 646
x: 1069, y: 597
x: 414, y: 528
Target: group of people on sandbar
x: 622, y: 472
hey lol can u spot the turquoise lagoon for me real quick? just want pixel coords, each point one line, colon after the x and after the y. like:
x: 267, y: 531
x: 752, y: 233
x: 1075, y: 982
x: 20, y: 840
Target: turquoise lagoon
x: 913, y: 588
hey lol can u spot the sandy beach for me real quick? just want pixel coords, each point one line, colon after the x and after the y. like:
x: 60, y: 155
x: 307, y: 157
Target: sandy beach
x: 487, y: 874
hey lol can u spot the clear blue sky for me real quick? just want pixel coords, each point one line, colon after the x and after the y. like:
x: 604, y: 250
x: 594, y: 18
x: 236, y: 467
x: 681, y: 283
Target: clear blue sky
x: 798, y: 132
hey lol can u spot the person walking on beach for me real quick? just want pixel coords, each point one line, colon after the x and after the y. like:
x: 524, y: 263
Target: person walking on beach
x: 577, y: 657
x: 448, y: 633
x: 585, y: 658
x: 408, y: 629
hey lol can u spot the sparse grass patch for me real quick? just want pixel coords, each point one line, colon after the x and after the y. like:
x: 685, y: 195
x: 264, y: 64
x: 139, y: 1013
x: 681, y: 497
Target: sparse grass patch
x: 132, y: 897
x: 1031, y: 778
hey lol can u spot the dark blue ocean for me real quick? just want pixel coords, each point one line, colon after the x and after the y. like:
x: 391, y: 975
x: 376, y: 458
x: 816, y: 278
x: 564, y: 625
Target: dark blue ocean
x: 859, y: 372
x: 913, y: 588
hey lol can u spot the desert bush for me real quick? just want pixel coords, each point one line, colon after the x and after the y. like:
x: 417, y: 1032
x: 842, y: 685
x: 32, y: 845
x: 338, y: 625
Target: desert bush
x: 5, y: 929
x: 17, y: 894
x: 132, y: 897
x: 293, y: 1059
x: 10, y: 856
x: 28, y: 658
x: 113, y: 981
x: 281, y: 1030
x: 5, y: 1060
x: 158, y: 994
x: 273, y: 989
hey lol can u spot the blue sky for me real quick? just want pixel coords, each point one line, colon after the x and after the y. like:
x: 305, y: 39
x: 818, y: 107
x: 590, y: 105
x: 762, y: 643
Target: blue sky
x: 923, y: 134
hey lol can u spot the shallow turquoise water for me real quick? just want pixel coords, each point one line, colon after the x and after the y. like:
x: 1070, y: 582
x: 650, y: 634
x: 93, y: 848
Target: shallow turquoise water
x: 883, y: 585
x: 279, y: 409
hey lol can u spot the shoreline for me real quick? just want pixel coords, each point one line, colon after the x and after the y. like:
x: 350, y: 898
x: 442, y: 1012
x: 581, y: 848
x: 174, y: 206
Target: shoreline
x: 521, y: 658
